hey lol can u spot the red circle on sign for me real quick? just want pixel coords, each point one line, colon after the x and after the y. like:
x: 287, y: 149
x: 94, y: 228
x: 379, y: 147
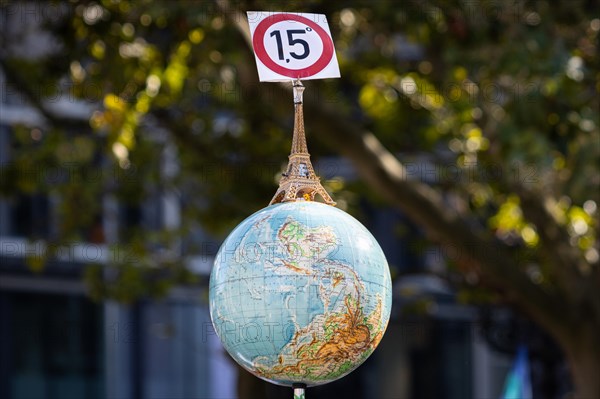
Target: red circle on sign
x: 261, y: 52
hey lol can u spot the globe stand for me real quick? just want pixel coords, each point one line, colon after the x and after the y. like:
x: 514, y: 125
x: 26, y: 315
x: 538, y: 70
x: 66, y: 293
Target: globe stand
x: 299, y: 390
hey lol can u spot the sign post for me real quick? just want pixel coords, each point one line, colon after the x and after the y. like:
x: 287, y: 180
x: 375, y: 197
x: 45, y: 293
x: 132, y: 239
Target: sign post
x: 333, y: 309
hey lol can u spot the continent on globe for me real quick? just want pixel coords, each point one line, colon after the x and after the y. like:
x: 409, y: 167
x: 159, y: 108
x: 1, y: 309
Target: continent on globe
x: 300, y: 292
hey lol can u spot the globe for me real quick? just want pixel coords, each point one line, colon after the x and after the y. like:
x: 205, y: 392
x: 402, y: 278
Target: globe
x: 300, y: 292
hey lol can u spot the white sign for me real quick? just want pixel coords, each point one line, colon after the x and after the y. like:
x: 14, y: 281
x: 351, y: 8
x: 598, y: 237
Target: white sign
x: 292, y: 46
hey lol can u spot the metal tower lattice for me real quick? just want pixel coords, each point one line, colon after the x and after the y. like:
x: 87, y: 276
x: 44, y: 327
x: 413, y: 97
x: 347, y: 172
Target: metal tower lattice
x: 299, y: 182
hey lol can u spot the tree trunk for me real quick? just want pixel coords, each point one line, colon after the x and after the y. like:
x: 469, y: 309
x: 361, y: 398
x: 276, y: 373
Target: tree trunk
x: 586, y: 373
x: 582, y: 348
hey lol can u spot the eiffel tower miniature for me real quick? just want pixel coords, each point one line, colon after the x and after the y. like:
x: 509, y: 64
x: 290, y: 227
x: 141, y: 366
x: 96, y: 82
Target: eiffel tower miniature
x: 299, y: 182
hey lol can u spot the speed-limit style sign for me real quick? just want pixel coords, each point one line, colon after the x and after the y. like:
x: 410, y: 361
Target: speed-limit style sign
x: 292, y: 46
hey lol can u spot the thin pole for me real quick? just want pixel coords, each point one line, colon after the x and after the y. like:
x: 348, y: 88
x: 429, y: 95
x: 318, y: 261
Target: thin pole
x: 299, y: 390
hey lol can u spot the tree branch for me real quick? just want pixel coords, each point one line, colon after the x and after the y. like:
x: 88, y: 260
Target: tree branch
x: 568, y: 261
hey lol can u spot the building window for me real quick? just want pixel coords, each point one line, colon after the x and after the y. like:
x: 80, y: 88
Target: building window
x: 51, y: 346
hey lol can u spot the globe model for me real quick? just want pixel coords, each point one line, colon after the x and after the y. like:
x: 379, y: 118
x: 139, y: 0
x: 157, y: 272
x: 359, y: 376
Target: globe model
x: 300, y: 292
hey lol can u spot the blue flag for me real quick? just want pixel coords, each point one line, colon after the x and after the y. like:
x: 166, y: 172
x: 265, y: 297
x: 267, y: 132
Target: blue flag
x: 518, y: 381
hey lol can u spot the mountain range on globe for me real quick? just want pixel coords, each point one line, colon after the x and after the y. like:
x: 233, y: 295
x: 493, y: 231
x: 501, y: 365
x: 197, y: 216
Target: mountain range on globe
x: 300, y: 292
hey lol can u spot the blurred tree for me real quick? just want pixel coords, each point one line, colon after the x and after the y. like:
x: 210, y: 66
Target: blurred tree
x: 501, y: 96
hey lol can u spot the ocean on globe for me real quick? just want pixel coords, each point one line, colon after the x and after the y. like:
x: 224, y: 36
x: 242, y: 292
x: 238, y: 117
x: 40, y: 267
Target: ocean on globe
x: 300, y: 292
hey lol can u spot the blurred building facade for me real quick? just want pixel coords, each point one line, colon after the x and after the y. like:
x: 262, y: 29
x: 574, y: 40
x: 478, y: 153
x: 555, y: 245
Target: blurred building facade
x: 56, y: 343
